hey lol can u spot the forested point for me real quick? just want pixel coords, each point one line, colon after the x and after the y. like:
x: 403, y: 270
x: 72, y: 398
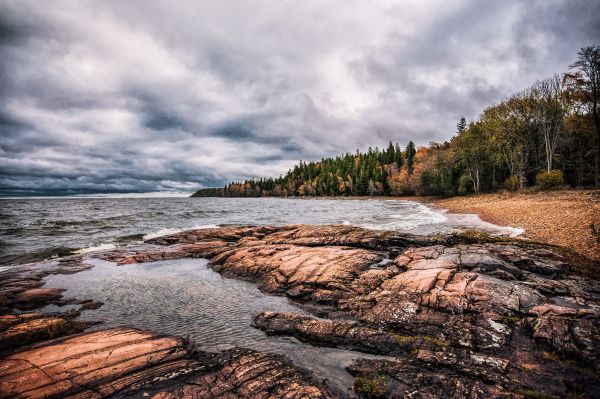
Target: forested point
x: 547, y: 135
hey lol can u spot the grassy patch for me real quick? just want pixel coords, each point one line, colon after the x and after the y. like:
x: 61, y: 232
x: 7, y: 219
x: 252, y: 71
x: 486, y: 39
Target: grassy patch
x: 404, y: 339
x: 475, y: 237
x: 435, y: 341
x: 550, y: 356
x: 370, y: 388
x: 511, y: 320
x: 410, y: 339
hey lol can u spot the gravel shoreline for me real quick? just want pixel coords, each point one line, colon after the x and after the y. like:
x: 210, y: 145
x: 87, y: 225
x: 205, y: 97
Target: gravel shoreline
x: 555, y: 217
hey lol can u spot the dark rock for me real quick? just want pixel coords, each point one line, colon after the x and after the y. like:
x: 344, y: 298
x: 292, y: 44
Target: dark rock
x: 240, y: 373
x: 89, y: 304
x: 346, y: 335
x: 37, y: 297
x: 27, y: 328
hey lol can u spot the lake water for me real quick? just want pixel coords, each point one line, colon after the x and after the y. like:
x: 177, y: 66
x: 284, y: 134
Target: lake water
x: 37, y: 229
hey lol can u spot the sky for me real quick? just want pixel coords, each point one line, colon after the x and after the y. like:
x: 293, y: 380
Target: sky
x: 141, y: 96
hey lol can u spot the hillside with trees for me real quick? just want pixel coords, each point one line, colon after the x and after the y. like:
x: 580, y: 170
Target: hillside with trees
x: 546, y: 135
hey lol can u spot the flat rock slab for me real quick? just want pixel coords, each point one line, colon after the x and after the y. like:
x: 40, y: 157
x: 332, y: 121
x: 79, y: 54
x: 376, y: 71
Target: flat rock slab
x: 132, y: 362
x: 95, y: 364
x: 32, y: 297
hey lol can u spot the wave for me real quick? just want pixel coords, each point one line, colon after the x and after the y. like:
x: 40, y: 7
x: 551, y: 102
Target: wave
x: 101, y: 247
x: 130, y: 238
x: 474, y: 222
x: 36, y: 256
x: 169, y: 231
x: 421, y: 219
x: 154, y: 194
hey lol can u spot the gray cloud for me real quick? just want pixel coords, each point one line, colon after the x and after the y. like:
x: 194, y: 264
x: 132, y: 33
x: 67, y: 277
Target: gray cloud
x: 118, y: 96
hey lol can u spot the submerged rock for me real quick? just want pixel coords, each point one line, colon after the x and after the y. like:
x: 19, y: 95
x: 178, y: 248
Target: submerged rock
x: 31, y: 298
x: 20, y: 287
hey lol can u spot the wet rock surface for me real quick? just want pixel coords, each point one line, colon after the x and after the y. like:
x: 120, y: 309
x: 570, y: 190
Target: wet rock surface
x: 462, y: 317
x: 21, y: 287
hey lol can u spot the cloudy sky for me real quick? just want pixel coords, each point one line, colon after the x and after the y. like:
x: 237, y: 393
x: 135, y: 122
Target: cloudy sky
x: 136, y: 96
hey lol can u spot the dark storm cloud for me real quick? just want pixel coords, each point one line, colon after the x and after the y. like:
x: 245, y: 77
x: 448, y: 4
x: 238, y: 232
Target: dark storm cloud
x: 122, y: 97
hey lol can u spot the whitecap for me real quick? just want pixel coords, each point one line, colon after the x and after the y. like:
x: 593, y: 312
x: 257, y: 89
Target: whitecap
x: 474, y: 221
x: 101, y: 247
x: 169, y: 231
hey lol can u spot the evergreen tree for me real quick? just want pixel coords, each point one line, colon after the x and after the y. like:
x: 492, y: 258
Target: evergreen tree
x: 384, y: 181
x: 461, y: 126
x: 410, y: 156
x: 390, y: 153
x: 398, y: 156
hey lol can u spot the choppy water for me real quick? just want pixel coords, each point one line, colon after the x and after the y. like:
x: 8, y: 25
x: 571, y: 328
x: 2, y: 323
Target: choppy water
x: 37, y: 229
x: 186, y: 298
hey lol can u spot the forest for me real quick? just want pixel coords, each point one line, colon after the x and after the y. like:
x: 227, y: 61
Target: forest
x: 545, y: 136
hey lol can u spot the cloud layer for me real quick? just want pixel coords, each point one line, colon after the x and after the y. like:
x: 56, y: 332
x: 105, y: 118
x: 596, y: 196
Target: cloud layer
x: 114, y: 96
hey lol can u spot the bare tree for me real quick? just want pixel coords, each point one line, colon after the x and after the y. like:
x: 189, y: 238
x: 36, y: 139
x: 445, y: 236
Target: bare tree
x: 550, y: 113
x: 586, y: 83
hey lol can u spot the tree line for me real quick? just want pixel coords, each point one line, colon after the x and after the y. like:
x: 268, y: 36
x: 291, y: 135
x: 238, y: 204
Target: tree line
x: 547, y: 135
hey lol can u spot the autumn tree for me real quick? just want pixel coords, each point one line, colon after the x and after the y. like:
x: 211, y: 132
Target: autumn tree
x: 585, y: 81
x: 472, y: 149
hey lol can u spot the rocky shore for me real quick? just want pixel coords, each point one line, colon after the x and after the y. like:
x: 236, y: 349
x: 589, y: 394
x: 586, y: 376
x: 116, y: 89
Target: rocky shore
x: 456, y: 316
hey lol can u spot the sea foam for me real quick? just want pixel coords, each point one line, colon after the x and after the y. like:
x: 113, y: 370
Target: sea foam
x: 101, y: 247
x: 169, y: 231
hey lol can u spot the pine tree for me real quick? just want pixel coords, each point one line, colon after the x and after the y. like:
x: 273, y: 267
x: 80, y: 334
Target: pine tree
x: 461, y: 126
x: 384, y: 181
x: 398, y: 156
x: 389, y: 154
x: 410, y: 156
